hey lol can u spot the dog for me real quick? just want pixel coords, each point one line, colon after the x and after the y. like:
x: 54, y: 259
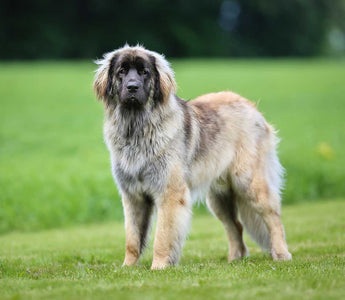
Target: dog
x: 166, y: 152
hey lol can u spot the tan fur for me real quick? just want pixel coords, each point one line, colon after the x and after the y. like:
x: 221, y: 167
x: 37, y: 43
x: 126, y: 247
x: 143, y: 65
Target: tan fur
x: 216, y: 100
x: 168, y: 240
x: 167, y: 82
x: 176, y: 152
x: 100, y: 83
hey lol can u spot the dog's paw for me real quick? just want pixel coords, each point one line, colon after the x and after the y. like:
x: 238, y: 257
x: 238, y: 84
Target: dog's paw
x: 127, y: 266
x: 239, y: 253
x: 159, y: 266
x: 286, y: 255
x: 129, y: 262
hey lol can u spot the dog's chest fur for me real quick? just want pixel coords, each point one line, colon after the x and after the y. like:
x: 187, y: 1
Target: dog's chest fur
x: 140, y: 146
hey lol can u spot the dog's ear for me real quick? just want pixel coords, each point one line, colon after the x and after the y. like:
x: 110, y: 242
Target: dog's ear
x: 104, y: 78
x: 164, y: 77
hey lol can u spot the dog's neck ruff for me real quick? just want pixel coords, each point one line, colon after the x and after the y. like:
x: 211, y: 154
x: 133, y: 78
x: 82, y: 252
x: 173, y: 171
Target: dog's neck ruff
x: 139, y: 136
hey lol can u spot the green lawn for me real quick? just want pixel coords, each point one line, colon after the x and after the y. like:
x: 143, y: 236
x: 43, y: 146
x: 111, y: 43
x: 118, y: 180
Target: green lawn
x: 85, y: 262
x: 54, y: 166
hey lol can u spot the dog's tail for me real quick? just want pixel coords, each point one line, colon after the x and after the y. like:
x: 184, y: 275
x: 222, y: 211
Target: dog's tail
x: 254, y: 225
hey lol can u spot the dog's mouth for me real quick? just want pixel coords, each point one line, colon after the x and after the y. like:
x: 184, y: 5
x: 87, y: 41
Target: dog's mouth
x: 135, y: 100
x: 132, y: 102
x: 132, y: 99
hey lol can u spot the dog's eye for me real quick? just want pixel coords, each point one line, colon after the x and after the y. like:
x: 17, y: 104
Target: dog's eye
x: 145, y: 72
x: 122, y: 71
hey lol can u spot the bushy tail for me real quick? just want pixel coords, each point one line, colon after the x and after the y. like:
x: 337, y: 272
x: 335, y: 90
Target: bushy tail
x: 254, y: 225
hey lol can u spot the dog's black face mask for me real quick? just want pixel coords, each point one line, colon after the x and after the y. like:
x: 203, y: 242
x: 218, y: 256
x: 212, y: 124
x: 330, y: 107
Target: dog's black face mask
x: 132, y: 81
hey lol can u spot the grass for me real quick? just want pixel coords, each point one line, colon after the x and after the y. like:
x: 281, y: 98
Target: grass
x: 85, y: 262
x: 54, y: 166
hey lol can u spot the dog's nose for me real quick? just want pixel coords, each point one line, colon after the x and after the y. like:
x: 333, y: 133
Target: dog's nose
x: 132, y: 86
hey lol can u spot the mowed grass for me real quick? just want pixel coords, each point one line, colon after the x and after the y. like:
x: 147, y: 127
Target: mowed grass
x: 54, y: 166
x: 85, y: 262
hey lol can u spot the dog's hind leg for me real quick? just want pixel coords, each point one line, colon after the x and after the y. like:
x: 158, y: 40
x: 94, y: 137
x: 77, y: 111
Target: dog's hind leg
x: 222, y: 203
x: 261, y: 208
x: 138, y: 214
x: 256, y: 178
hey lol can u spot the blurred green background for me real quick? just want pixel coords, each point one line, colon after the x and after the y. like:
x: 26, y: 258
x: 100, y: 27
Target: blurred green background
x: 54, y: 166
x: 35, y: 29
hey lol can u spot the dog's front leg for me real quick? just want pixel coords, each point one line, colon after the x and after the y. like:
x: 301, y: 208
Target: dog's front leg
x: 138, y: 213
x: 173, y: 219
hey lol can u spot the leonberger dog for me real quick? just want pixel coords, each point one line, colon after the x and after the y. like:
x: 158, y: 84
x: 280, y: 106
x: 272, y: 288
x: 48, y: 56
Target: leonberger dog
x: 166, y: 152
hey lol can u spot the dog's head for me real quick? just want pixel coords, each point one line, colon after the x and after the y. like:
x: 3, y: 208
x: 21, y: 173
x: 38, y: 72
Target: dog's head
x: 132, y: 77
